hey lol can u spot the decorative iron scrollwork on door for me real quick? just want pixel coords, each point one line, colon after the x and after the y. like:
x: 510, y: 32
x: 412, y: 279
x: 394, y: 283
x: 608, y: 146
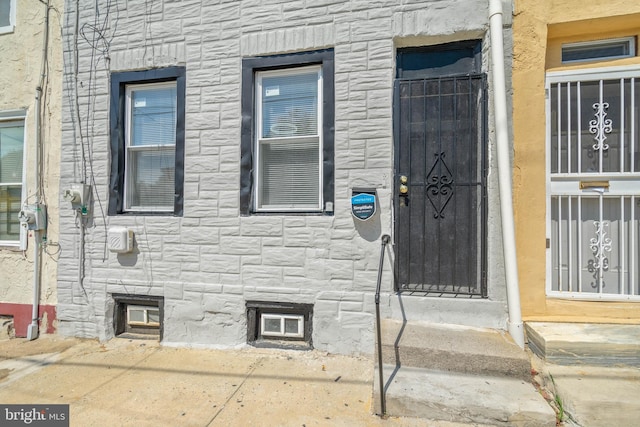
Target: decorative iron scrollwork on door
x: 439, y: 185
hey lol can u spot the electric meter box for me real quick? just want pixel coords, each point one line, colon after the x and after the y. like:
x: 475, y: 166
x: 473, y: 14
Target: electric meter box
x: 120, y: 239
x: 33, y: 217
x: 363, y: 203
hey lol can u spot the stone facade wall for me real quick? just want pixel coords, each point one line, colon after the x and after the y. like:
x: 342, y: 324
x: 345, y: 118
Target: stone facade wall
x: 211, y: 260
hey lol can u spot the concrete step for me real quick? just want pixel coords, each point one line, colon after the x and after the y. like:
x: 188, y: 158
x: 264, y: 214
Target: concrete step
x: 487, y: 313
x: 592, y: 396
x: 584, y: 343
x: 462, y: 398
x: 453, y: 348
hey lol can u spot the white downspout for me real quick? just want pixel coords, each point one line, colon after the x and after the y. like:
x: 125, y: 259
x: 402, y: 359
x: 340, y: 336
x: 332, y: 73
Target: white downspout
x: 514, y: 324
x: 32, y: 329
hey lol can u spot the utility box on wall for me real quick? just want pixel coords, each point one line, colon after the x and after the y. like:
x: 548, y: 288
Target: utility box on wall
x: 363, y: 203
x: 120, y: 239
x: 33, y: 217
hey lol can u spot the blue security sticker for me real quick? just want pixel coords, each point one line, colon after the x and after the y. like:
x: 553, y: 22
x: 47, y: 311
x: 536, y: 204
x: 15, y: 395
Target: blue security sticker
x: 363, y: 205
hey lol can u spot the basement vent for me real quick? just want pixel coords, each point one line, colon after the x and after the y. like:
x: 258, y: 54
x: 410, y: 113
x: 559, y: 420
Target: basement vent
x: 138, y: 316
x: 283, y: 325
x: 599, y: 49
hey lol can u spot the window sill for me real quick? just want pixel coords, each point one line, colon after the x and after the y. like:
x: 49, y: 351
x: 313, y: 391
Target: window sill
x: 11, y: 248
x: 147, y: 213
x: 7, y: 30
x: 289, y: 213
x: 282, y: 344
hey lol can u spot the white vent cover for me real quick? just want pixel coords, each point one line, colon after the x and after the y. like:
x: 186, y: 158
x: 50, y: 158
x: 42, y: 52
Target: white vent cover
x: 120, y: 239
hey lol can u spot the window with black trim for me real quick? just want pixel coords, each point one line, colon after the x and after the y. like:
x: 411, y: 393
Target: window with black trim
x: 138, y: 316
x: 147, y: 141
x: 279, y: 324
x: 287, y: 163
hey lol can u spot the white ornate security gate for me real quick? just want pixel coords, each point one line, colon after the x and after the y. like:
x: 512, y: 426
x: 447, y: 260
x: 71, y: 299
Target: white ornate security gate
x: 593, y: 176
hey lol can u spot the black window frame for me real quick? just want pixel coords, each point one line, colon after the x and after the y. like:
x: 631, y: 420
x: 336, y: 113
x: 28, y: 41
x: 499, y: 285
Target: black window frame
x: 121, y: 301
x: 117, y: 111
x: 254, y: 312
x: 252, y: 65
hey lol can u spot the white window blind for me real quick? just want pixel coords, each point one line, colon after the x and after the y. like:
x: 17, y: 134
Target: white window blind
x: 11, y: 160
x: 289, y: 142
x: 151, y: 139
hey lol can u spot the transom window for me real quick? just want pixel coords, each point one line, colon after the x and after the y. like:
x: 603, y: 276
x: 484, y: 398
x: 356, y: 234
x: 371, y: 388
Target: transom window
x: 11, y: 161
x: 599, y: 50
x: 593, y: 205
x: 289, y: 143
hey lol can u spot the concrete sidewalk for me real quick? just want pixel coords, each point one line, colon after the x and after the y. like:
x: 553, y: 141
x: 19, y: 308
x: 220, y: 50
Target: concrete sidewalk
x: 131, y: 382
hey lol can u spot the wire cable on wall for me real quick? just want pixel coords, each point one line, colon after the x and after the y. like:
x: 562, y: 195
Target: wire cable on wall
x: 95, y: 34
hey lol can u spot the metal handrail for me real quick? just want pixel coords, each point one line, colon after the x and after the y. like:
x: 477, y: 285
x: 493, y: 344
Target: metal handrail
x: 383, y: 407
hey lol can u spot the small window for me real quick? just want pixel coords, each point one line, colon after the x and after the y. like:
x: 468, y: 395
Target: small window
x: 11, y: 163
x: 147, y: 142
x: 140, y: 315
x: 287, y: 134
x: 281, y: 325
x: 599, y: 49
x: 7, y: 16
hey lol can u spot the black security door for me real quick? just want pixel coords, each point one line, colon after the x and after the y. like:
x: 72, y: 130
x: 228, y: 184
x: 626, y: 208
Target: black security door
x: 440, y: 197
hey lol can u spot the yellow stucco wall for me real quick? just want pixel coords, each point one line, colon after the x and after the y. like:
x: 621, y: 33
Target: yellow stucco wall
x: 20, y: 62
x: 539, y: 29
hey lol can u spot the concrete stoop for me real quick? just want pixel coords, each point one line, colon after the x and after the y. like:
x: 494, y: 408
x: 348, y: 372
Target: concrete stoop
x: 592, y: 371
x: 585, y: 343
x: 592, y: 396
x: 463, y: 398
x: 453, y: 348
x: 458, y: 374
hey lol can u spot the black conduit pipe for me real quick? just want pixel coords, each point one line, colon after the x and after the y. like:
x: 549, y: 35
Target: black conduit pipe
x: 383, y: 406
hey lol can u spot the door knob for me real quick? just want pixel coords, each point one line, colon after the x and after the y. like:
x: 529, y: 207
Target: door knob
x: 404, y: 189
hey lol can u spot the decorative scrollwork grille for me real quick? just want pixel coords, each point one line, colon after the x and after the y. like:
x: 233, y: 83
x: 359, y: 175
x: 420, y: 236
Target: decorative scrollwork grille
x: 600, y: 126
x: 593, y: 177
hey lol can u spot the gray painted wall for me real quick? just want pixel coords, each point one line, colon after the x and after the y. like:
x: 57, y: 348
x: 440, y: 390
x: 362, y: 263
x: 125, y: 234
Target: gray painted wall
x: 207, y: 263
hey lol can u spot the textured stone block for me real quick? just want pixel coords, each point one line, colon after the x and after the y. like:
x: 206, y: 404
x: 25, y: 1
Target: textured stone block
x: 209, y: 261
